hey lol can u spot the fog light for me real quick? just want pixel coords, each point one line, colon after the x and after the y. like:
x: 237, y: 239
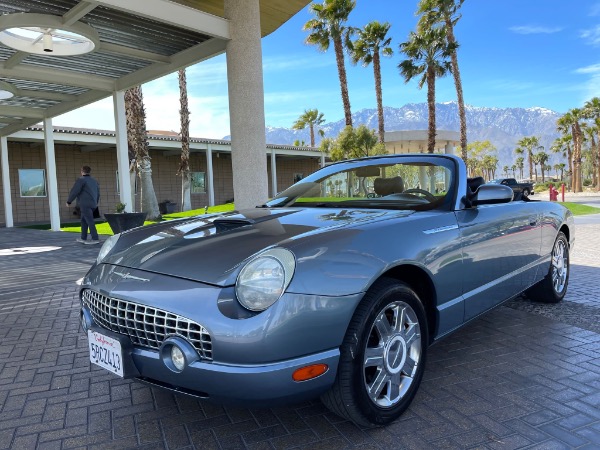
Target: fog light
x: 177, y: 358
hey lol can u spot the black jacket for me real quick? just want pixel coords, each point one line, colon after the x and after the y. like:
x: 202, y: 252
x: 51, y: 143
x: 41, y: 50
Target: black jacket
x: 87, y: 192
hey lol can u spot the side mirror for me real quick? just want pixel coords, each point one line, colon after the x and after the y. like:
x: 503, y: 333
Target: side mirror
x: 490, y: 194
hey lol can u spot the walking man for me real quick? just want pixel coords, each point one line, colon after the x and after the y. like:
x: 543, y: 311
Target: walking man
x: 87, y: 192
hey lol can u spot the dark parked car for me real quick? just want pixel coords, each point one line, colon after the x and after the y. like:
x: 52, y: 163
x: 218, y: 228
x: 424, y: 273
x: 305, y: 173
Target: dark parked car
x: 334, y: 288
x: 524, y: 189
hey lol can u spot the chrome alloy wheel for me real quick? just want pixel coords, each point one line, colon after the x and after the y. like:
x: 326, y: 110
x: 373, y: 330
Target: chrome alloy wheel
x: 560, y: 266
x: 392, y: 354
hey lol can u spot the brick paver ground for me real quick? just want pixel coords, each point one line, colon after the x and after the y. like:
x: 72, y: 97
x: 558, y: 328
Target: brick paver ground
x: 523, y: 376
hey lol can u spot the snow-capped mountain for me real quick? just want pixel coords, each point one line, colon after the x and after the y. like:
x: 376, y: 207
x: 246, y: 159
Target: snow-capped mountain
x: 502, y: 126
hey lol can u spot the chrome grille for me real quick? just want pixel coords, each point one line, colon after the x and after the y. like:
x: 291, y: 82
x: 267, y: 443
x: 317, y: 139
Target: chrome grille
x: 145, y: 325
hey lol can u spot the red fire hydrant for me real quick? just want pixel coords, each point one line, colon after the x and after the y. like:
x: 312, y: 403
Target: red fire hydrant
x: 553, y: 193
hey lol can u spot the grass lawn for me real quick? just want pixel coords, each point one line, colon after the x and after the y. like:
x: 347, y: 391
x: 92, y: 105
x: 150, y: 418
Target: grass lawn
x: 580, y: 210
x: 103, y: 228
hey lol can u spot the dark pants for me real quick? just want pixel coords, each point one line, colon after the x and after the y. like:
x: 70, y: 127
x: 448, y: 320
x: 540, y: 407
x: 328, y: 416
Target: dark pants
x: 87, y: 221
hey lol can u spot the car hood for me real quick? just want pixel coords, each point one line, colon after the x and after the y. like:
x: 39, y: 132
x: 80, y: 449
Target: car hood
x: 210, y: 248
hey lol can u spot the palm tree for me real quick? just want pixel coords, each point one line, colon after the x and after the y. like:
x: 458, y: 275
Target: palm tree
x: 138, y: 139
x: 428, y: 57
x: 371, y: 41
x: 570, y: 122
x: 310, y: 118
x: 592, y: 111
x: 536, y: 160
x: 184, y: 165
x: 590, y: 132
x: 564, y: 145
x: 520, y: 163
x: 514, y: 170
x: 445, y: 12
x: 526, y: 146
x: 505, y: 169
x: 542, y: 158
x: 559, y: 167
x: 328, y: 26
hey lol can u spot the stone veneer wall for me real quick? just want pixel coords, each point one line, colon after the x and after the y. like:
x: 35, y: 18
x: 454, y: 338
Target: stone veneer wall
x: 70, y: 158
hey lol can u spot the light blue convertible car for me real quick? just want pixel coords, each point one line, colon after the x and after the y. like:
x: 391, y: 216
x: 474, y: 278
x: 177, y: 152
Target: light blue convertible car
x: 334, y: 288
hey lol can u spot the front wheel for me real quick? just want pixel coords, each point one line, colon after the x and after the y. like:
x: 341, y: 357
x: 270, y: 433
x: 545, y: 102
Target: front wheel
x: 553, y: 287
x: 382, y: 357
x: 526, y: 192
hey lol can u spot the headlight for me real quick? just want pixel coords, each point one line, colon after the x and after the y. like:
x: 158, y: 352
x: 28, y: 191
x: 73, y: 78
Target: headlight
x: 265, y: 278
x: 107, y: 247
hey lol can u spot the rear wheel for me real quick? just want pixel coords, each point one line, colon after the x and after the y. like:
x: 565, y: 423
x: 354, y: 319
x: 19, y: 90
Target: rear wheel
x: 526, y: 192
x: 382, y: 357
x: 553, y: 287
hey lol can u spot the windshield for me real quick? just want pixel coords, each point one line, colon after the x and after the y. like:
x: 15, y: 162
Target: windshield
x: 385, y: 183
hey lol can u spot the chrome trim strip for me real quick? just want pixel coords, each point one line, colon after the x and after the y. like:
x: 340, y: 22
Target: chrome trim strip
x: 441, y: 229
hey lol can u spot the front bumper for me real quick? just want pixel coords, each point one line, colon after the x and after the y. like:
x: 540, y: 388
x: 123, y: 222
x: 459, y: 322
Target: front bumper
x: 253, y: 358
x: 245, y: 385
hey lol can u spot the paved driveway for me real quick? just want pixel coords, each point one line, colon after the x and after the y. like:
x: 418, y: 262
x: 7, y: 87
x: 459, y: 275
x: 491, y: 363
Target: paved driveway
x: 523, y: 376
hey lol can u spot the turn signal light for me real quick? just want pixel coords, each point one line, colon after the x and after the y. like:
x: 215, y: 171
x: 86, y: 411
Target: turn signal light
x: 310, y: 372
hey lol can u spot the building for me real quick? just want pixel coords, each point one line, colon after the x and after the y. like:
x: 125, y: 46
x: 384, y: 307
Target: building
x: 59, y: 55
x: 210, y: 163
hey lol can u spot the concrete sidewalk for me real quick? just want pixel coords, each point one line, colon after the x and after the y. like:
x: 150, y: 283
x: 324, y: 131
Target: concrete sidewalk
x: 523, y: 376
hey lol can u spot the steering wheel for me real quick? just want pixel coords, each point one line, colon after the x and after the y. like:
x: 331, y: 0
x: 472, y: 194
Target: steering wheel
x: 428, y: 195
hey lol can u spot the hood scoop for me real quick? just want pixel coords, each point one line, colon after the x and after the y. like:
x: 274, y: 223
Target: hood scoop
x: 223, y: 225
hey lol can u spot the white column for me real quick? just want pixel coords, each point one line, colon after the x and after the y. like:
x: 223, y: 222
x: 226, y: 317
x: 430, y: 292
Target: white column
x: 122, y: 151
x: 246, y: 103
x: 52, y: 183
x: 322, y: 159
x: 8, y: 214
x: 449, y: 148
x: 273, y: 173
x: 210, y: 185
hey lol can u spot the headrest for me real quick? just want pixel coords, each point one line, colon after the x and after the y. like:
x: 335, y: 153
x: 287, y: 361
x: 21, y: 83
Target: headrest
x: 387, y: 186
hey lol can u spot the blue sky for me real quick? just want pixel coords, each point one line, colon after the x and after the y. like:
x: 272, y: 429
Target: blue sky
x: 513, y: 53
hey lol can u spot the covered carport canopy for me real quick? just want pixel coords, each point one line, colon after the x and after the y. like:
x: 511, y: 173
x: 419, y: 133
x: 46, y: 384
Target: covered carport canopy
x: 59, y: 55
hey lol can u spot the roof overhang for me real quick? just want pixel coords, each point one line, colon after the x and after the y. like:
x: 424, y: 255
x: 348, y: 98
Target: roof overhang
x: 415, y: 141
x: 137, y: 41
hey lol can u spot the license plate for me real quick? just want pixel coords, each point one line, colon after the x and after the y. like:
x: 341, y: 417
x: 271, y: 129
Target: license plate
x: 106, y: 352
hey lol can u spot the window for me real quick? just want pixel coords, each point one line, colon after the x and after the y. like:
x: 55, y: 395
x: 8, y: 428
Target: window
x: 298, y: 176
x: 198, y: 182
x: 32, y: 182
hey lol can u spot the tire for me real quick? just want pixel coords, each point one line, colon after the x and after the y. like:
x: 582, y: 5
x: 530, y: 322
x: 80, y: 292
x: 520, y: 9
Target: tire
x: 553, y: 287
x: 525, y: 192
x: 382, y: 357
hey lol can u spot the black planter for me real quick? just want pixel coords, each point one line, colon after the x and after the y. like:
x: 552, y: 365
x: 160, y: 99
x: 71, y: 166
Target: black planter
x: 167, y: 207
x: 125, y: 221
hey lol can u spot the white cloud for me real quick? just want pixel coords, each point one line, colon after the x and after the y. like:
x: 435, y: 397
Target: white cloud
x: 594, y: 69
x: 592, y: 36
x: 291, y: 62
x: 534, y: 29
x: 591, y: 86
x: 98, y: 115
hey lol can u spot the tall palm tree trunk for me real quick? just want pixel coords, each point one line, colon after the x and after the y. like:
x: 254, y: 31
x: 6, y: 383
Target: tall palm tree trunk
x: 459, y: 90
x: 184, y: 164
x: 431, y: 108
x: 577, y: 158
x: 136, y: 124
x: 379, y: 96
x: 312, y: 134
x: 339, y: 58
